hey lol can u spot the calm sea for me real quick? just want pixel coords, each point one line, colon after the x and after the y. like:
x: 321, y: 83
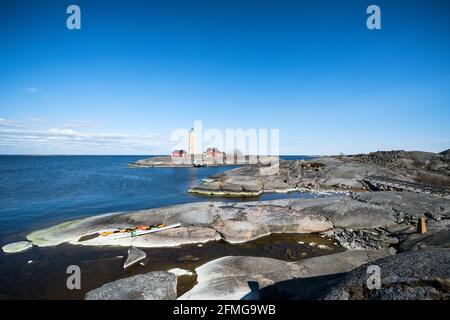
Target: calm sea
x: 39, y: 191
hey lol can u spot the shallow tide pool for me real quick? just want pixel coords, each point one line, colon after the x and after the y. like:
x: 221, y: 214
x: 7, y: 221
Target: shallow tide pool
x: 41, y: 272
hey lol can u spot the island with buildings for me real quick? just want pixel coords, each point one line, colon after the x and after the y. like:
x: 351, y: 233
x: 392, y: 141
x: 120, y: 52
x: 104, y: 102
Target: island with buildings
x: 211, y: 156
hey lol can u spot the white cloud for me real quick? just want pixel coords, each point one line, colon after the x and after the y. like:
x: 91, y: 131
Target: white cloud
x: 9, y: 123
x: 64, y: 140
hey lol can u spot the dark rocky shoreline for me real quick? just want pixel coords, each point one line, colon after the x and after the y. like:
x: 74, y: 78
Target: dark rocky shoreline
x: 385, y: 194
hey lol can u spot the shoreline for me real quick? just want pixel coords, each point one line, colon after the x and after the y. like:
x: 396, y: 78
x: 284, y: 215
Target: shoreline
x: 49, y: 263
x: 248, y: 194
x: 200, y: 222
x: 185, y: 162
x: 371, y: 216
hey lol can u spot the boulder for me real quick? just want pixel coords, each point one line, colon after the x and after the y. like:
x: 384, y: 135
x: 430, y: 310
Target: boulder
x: 232, y: 278
x: 158, y: 285
x: 416, y: 241
x: 16, y: 247
x: 414, y: 275
x: 135, y: 256
x: 244, y: 222
x: 237, y: 277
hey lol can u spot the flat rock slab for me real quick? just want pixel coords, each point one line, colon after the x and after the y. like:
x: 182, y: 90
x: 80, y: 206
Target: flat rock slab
x: 195, y: 219
x: 17, y: 247
x: 135, y: 256
x: 238, y: 277
x: 245, y: 221
x: 159, y: 285
x: 408, y: 205
x: 414, y: 275
x: 417, y: 241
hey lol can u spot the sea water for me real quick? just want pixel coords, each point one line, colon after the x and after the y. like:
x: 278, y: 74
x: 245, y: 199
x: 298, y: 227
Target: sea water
x: 40, y: 191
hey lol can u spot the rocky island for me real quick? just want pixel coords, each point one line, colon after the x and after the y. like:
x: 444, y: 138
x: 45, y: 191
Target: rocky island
x: 379, y: 200
x: 201, y: 160
x: 394, y: 170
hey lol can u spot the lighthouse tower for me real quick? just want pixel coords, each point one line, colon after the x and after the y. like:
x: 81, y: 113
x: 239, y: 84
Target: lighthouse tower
x: 192, y: 142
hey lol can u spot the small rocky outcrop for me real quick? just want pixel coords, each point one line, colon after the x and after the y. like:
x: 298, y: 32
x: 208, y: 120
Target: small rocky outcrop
x: 161, y: 162
x: 158, y: 285
x: 415, y: 275
x: 187, y: 161
x: 16, y: 247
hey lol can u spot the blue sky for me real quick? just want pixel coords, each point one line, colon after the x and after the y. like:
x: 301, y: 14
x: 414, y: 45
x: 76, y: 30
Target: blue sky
x: 137, y: 70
